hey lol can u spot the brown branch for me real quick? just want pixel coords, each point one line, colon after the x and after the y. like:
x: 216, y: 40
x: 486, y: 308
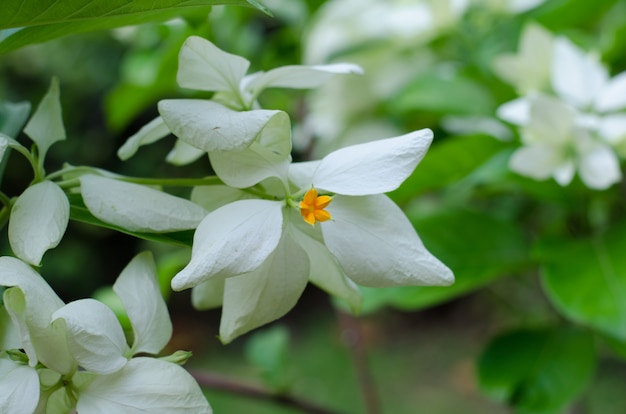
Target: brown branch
x: 218, y: 382
x: 353, y: 338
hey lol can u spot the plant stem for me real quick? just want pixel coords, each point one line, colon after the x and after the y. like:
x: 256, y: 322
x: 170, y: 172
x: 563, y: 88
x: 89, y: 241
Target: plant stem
x: 353, y: 338
x: 173, y: 182
x: 5, y: 199
x: 217, y: 382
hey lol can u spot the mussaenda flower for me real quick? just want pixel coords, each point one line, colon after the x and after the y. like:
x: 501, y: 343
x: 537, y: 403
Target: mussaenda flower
x: 576, y: 130
x: 75, y: 356
x: 231, y: 120
x: 326, y: 221
x: 556, y: 145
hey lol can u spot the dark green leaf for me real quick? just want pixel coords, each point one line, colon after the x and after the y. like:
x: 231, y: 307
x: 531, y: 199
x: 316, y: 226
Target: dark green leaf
x: 558, y: 15
x: 43, y: 20
x: 267, y: 350
x: 477, y: 247
x: 444, y: 93
x: 447, y: 162
x: 586, y: 279
x: 537, y: 371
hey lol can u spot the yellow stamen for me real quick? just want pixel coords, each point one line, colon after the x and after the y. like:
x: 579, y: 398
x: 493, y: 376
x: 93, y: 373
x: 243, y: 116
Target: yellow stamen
x: 312, y: 207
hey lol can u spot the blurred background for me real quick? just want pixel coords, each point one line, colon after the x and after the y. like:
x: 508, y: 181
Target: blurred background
x: 514, y: 334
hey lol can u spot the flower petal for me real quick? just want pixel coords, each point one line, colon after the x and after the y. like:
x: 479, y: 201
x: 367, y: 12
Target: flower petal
x: 612, y: 128
x: 20, y: 387
x: 516, y: 112
x: 377, y: 246
x: 233, y: 239
x: 136, y: 207
x: 31, y: 303
x: 551, y: 121
x: 39, y: 218
x: 144, y: 385
x: 564, y: 173
x: 266, y: 293
x: 599, y: 169
x: 183, y: 153
x: 267, y: 156
x: 9, y: 332
x: 148, y: 134
x: 210, y: 126
x: 374, y: 167
x: 46, y: 125
x: 325, y: 272
x: 212, y: 197
x: 139, y: 291
x: 208, y: 294
x: 301, y: 173
x: 576, y: 77
x: 94, y: 334
x: 529, y: 68
x: 203, y: 66
x: 298, y: 77
x: 538, y: 161
x: 613, y: 96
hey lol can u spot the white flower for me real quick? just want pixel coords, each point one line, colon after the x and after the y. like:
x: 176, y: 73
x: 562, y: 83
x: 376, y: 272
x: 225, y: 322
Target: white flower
x: 575, y: 130
x: 79, y: 352
x: 231, y: 120
x: 581, y: 80
x: 261, y: 252
x: 556, y: 146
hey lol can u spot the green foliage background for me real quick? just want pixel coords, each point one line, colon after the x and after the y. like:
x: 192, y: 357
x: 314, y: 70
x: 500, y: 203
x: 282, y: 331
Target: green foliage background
x: 537, y: 318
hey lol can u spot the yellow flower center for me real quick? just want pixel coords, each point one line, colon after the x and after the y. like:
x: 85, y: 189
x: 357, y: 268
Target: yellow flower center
x: 312, y: 207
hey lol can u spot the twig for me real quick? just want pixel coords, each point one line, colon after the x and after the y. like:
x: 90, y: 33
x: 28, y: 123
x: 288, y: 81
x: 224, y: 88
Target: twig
x: 353, y: 338
x: 217, y: 382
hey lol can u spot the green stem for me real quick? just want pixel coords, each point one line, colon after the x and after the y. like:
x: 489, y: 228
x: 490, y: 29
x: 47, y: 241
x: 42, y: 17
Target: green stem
x: 4, y: 215
x: 174, y: 182
x: 5, y: 199
x: 31, y: 160
x: 73, y: 169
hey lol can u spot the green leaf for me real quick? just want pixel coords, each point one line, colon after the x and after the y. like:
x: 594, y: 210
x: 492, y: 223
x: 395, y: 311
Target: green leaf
x: 477, y: 247
x: 537, y: 371
x: 444, y: 93
x: 267, y: 350
x: 79, y: 212
x: 565, y: 14
x: 43, y: 20
x: 586, y: 279
x: 46, y: 125
x: 447, y: 162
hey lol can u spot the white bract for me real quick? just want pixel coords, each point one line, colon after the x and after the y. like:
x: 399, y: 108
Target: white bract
x: 231, y: 120
x: 41, y: 213
x: 76, y: 354
x: 136, y: 207
x: 255, y: 256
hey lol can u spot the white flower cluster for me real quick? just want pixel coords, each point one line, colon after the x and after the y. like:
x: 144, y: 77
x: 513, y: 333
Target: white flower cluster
x: 273, y: 225
x: 571, y: 115
x: 57, y: 358
x: 264, y: 229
